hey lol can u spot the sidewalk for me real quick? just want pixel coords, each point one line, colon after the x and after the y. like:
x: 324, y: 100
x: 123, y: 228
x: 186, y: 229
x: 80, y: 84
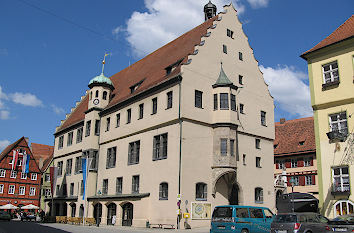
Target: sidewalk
x: 106, y: 229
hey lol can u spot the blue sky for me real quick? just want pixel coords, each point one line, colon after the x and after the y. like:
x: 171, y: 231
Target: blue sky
x: 49, y: 50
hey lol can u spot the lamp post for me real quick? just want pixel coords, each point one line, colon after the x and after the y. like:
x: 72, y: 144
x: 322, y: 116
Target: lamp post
x: 292, y: 182
x: 98, y: 209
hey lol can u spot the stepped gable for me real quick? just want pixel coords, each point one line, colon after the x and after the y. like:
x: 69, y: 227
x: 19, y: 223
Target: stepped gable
x: 344, y: 31
x: 43, y: 152
x: 151, y: 69
x: 290, y: 134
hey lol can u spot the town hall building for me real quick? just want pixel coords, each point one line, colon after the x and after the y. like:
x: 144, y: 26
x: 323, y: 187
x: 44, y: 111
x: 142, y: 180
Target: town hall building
x: 188, y: 127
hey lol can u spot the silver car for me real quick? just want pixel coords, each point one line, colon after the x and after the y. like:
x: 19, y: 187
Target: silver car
x: 300, y: 223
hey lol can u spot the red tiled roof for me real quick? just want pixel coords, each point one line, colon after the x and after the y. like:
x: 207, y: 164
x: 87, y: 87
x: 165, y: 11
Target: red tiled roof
x: 151, y: 69
x: 289, y: 135
x: 9, y: 148
x: 344, y: 31
x: 43, y: 152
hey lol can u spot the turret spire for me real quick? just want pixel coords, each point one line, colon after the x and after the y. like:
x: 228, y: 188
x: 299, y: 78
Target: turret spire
x: 104, y: 61
x: 209, y: 10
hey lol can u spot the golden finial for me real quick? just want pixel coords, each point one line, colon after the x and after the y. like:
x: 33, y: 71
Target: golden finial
x: 104, y: 61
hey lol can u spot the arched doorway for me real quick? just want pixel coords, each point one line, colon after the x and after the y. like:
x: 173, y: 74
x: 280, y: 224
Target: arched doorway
x: 127, y: 217
x: 65, y: 209
x: 233, y: 197
x: 97, y: 208
x: 73, y: 209
x: 81, y: 211
x: 111, y: 211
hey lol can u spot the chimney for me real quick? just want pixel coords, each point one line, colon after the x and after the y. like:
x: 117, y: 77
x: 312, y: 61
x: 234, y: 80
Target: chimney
x: 282, y: 120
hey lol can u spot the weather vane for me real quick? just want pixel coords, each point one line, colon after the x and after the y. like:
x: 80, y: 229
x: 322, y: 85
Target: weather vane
x: 104, y: 61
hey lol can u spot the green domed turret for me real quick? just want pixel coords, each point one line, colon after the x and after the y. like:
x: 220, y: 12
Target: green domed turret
x: 101, y: 80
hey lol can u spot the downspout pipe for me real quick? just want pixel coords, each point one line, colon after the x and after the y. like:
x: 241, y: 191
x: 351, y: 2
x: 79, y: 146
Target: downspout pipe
x: 180, y: 147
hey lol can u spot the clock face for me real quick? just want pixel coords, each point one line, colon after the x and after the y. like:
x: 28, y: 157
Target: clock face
x: 95, y: 101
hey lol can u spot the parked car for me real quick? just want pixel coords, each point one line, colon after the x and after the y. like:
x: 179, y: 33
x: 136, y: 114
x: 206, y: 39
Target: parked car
x: 241, y: 219
x: 343, y: 223
x: 300, y: 223
x: 5, y: 216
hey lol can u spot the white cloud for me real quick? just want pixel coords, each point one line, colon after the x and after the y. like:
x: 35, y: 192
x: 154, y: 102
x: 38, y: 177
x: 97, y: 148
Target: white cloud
x: 4, y: 115
x: 4, y: 144
x: 164, y: 21
x: 258, y: 3
x: 288, y: 89
x: 26, y: 99
x: 57, y: 109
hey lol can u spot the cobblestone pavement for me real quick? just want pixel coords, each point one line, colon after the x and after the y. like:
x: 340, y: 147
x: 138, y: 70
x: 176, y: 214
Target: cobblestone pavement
x: 113, y: 229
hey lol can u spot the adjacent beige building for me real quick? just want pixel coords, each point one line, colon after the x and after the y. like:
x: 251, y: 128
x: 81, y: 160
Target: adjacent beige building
x: 175, y: 127
x: 330, y: 65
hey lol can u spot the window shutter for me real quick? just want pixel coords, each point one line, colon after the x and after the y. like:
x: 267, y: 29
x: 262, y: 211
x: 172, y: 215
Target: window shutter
x: 288, y: 178
x: 287, y: 164
x: 302, y: 180
x: 311, y: 161
x: 313, y: 179
x: 300, y: 162
x: 154, y: 149
x: 277, y: 164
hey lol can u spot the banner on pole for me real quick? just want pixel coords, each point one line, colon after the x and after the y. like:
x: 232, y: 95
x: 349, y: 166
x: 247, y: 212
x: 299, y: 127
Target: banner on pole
x: 53, y: 179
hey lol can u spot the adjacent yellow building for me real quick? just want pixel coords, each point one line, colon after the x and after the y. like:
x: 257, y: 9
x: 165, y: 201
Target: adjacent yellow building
x: 330, y: 67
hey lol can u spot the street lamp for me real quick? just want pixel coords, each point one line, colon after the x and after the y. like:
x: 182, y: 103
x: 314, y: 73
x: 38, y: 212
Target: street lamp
x: 292, y: 182
x: 98, y: 209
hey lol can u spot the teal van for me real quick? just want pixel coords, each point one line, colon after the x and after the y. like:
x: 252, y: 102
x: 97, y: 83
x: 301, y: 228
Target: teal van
x: 241, y: 219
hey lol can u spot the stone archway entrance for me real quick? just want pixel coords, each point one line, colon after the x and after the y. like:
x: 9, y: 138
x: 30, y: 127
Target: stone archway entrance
x: 233, y: 197
x: 127, y: 217
x: 97, y: 209
x: 111, y: 211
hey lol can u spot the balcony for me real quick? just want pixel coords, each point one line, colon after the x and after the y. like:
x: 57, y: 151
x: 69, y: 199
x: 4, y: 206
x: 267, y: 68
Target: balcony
x: 340, y: 189
x: 337, y: 135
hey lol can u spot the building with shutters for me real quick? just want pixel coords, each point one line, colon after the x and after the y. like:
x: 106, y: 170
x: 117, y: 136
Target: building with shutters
x: 16, y: 187
x: 188, y: 127
x: 330, y: 66
x: 295, y: 156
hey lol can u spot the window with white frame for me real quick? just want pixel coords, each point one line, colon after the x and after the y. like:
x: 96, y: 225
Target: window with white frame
x: 32, y: 191
x: 2, y: 172
x: 258, y: 195
x: 79, y: 134
x: 22, y: 190
x: 296, y: 180
x: 338, y: 122
x: 308, y: 180
x: 47, y: 192
x: 11, y: 189
x: 293, y: 163
x: 281, y: 164
x: 23, y: 175
x: 61, y: 142
x: 34, y: 176
x: 330, y: 72
x: 341, y: 179
x: 13, y: 174
x: 307, y: 161
x: 70, y: 138
x: 47, y: 177
x: 1, y: 188
x: 343, y: 208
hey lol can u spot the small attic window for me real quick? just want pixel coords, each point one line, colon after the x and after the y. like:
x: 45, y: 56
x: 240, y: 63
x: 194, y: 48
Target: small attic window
x: 301, y: 143
x: 136, y: 86
x: 172, y: 67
